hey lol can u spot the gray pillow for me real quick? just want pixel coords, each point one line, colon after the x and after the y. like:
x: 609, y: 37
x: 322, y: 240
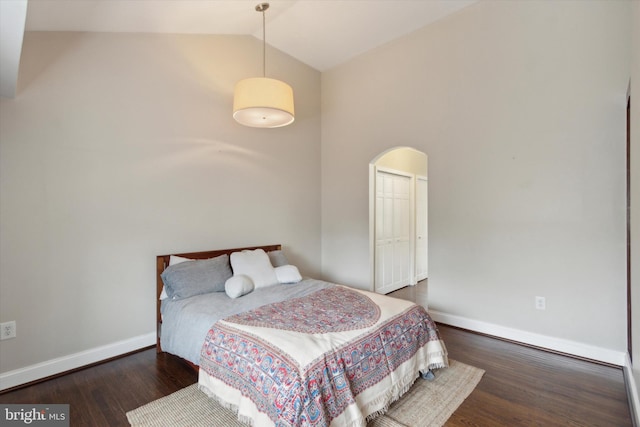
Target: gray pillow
x: 277, y: 258
x: 196, y: 277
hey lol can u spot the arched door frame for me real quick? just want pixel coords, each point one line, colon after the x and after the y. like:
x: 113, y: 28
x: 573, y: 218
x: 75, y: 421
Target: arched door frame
x: 415, y: 163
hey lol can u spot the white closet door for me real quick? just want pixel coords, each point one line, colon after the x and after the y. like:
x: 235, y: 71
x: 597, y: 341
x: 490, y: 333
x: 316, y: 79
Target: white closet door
x: 422, y: 212
x: 393, y: 231
x: 384, y: 231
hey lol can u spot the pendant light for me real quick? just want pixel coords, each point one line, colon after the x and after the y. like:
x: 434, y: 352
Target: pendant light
x: 262, y: 102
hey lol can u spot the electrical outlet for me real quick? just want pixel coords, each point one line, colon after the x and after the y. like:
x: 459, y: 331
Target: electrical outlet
x: 8, y: 330
x: 541, y: 303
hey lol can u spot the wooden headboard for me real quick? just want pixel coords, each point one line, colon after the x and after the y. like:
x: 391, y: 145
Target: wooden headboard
x: 162, y: 262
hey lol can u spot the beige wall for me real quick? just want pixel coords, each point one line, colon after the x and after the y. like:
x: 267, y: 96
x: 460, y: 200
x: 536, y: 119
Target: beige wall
x: 121, y: 147
x: 520, y: 107
x: 635, y: 196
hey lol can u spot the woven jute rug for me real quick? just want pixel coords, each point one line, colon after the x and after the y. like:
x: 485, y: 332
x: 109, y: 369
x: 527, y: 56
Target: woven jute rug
x: 426, y: 404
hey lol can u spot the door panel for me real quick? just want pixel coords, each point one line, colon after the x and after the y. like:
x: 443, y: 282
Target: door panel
x: 393, y: 231
x: 422, y: 209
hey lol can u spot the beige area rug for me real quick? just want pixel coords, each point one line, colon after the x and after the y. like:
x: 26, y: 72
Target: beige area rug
x: 427, y: 403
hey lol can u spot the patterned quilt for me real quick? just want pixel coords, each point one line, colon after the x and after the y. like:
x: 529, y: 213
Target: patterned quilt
x: 338, y: 356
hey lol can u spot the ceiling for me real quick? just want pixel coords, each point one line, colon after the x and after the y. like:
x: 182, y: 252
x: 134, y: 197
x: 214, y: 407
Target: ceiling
x: 319, y: 33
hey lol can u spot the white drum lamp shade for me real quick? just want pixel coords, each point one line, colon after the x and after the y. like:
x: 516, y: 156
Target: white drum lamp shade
x: 263, y: 102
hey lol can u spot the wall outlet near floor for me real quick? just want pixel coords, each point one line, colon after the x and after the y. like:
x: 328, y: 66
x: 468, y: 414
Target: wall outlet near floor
x: 8, y: 330
x: 541, y: 303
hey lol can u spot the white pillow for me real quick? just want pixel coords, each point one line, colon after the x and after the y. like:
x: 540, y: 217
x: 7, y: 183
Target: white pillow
x: 238, y: 286
x: 173, y: 260
x: 256, y: 265
x: 288, y: 274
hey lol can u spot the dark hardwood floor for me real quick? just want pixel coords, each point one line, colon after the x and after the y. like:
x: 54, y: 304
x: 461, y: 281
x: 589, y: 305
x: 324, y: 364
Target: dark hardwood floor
x: 522, y: 386
x: 101, y: 395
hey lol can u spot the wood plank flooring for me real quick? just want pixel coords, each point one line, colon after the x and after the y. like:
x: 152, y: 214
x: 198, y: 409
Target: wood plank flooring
x: 101, y: 395
x: 522, y: 386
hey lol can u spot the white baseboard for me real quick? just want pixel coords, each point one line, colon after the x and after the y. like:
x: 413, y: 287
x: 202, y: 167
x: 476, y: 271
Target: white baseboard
x: 73, y: 361
x: 632, y: 391
x: 557, y: 344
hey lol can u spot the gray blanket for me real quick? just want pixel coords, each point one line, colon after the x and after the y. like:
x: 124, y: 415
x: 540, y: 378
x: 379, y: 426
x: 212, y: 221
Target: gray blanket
x: 185, y: 322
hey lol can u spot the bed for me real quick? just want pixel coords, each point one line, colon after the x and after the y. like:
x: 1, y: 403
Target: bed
x: 284, y: 350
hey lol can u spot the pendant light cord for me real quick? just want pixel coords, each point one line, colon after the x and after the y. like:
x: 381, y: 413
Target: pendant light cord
x: 262, y: 7
x: 264, y: 46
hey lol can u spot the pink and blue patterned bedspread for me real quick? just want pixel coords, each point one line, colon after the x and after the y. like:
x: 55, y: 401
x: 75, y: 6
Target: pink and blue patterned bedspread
x: 314, y: 393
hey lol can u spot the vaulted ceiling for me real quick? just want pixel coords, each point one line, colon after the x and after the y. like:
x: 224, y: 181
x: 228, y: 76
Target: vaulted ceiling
x: 320, y: 33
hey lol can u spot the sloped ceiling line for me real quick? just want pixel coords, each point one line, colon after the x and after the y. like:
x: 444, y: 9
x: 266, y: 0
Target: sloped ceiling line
x: 321, y: 34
